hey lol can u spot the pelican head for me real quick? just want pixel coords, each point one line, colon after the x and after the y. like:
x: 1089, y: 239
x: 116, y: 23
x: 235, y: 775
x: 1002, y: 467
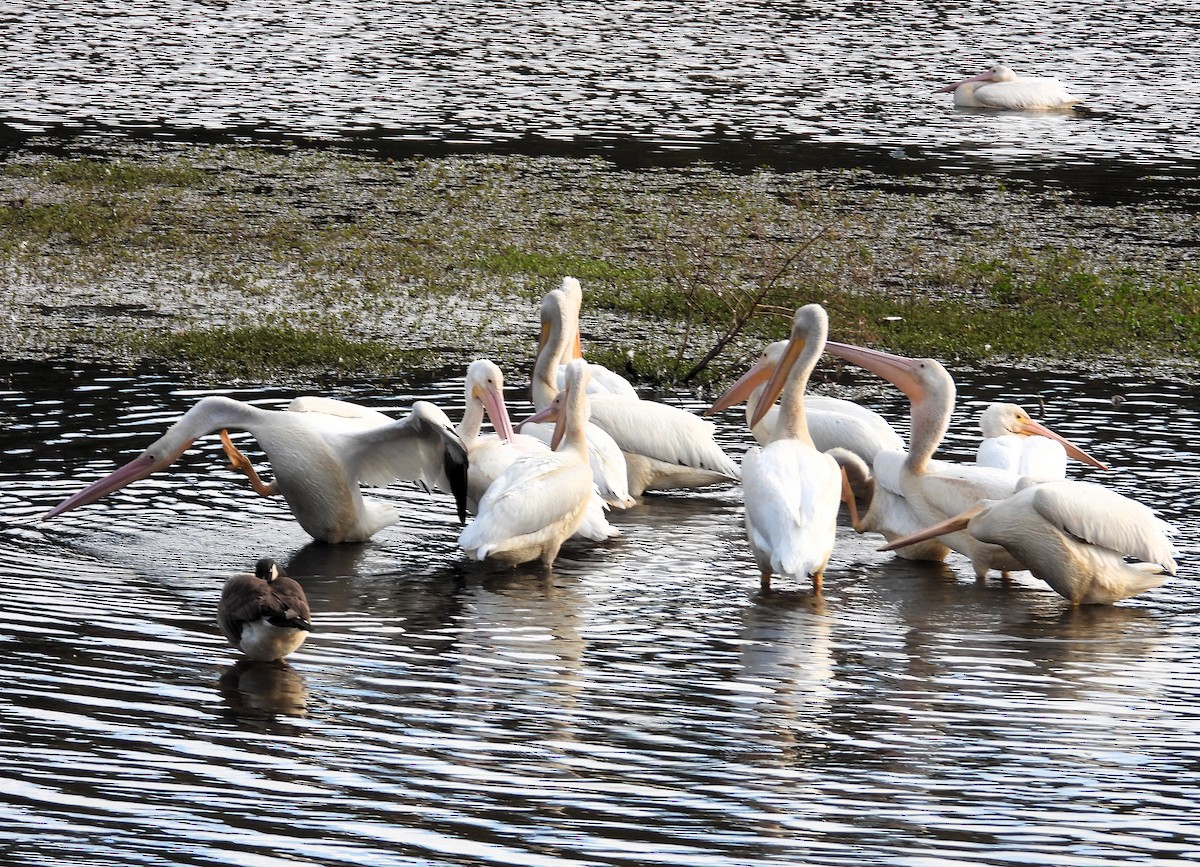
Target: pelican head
x: 1000, y: 419
x: 995, y: 73
x: 163, y: 452
x: 810, y: 325
x: 485, y: 384
x: 757, y: 375
x: 918, y: 378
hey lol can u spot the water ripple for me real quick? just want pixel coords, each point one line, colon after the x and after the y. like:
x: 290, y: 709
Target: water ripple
x: 645, y: 704
x: 812, y: 81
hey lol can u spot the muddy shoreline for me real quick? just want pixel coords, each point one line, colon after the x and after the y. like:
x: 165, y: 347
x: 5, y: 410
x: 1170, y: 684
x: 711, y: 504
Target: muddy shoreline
x: 222, y: 261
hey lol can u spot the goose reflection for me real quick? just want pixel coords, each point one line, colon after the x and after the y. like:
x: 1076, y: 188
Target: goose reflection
x: 256, y: 690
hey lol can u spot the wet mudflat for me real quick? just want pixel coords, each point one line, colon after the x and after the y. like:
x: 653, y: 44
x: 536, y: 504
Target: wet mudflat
x: 646, y: 704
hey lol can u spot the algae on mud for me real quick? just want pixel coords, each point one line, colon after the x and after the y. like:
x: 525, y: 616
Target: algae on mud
x: 244, y: 262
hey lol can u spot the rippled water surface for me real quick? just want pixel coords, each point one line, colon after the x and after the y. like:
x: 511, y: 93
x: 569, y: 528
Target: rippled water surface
x: 647, y: 705
x: 815, y: 78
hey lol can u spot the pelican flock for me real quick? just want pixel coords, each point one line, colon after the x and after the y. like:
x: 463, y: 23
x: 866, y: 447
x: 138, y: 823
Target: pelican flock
x: 588, y: 449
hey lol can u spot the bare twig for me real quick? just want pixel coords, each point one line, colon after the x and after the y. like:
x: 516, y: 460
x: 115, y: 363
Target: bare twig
x: 755, y: 304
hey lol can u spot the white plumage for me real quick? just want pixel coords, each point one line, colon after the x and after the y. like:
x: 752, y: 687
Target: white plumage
x: 1014, y: 442
x: 999, y: 87
x: 792, y: 490
x: 1075, y: 536
x: 558, y: 322
x: 540, y: 500
x: 320, y: 450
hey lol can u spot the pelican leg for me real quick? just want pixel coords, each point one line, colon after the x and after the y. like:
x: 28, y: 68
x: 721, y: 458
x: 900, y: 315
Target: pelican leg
x: 851, y: 504
x: 817, y: 579
x: 765, y: 582
x: 240, y: 462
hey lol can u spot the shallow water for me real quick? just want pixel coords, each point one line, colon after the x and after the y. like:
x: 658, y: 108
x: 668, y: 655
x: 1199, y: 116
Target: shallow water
x: 645, y: 706
x: 791, y: 84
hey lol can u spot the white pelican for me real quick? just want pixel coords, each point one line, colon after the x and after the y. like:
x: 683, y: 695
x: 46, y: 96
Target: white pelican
x: 1000, y: 87
x: 490, y: 455
x: 1075, y: 536
x: 935, y: 490
x: 792, y: 490
x: 539, y: 501
x: 265, y: 615
x: 604, y: 381
x: 558, y: 322
x: 320, y: 451
x: 1014, y: 442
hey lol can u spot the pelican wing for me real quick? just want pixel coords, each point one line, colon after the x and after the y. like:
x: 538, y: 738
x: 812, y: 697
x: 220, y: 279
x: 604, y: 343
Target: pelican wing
x: 953, y: 488
x: 1024, y: 93
x: 861, y: 434
x: 665, y: 433
x: 422, y: 447
x: 604, y: 382
x: 531, y: 495
x: 1106, y: 519
x: 349, y: 416
x: 792, y: 494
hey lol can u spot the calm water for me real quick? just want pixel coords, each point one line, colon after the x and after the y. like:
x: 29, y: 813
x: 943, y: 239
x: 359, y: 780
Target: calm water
x: 791, y: 84
x: 646, y: 706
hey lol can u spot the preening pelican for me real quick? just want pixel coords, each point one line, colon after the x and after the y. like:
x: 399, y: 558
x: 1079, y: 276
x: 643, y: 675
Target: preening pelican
x: 558, y: 322
x: 1001, y: 88
x: 539, y: 501
x: 320, y: 451
x: 663, y: 447
x: 1075, y: 536
x: 265, y: 615
x: 935, y: 490
x: 604, y: 381
x: 490, y: 455
x: 792, y: 489
x: 1014, y: 442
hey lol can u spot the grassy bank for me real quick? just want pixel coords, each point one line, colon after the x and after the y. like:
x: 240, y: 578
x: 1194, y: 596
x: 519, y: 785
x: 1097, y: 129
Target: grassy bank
x: 246, y: 263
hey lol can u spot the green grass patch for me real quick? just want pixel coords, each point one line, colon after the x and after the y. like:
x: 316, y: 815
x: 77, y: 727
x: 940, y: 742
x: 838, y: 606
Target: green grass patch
x: 118, y: 175
x: 259, y: 351
x: 83, y: 222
